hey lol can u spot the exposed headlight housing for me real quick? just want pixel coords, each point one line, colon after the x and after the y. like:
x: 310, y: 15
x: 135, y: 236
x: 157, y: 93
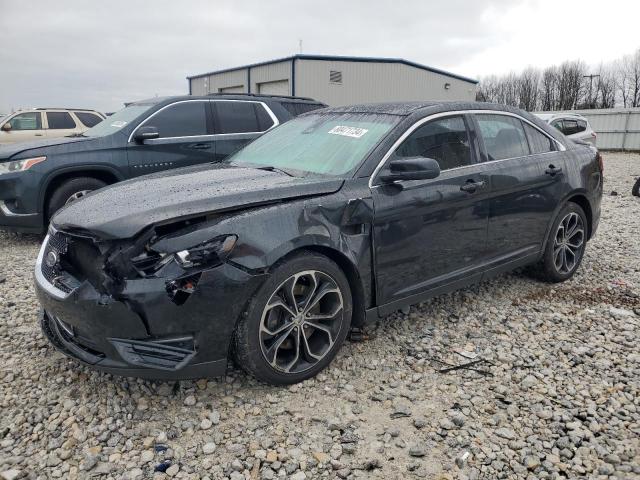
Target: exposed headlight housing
x: 218, y: 248
x: 199, y: 257
x: 20, y: 165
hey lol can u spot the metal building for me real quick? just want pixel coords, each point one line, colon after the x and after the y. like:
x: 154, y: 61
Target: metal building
x: 337, y: 80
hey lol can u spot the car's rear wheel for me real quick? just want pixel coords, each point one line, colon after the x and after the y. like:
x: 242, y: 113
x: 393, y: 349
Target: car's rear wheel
x: 71, y: 190
x: 296, y: 322
x: 566, y: 244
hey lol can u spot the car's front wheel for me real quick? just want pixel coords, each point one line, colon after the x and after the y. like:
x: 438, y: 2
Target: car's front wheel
x: 296, y: 322
x: 566, y: 244
x: 70, y: 191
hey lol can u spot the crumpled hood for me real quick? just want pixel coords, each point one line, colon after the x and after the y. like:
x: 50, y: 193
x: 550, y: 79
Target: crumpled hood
x: 8, y: 150
x: 124, y: 209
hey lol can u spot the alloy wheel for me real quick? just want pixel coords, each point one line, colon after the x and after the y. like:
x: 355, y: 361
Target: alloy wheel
x: 301, y: 321
x: 76, y: 196
x: 568, y: 243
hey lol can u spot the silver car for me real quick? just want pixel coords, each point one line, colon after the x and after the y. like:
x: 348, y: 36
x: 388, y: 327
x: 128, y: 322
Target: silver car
x: 574, y: 126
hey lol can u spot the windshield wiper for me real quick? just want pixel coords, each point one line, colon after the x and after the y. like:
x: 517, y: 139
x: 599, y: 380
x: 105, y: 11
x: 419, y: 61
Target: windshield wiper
x: 76, y: 135
x: 270, y: 168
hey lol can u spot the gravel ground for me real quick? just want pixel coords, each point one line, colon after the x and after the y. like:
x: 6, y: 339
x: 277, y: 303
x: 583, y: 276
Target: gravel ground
x: 557, y: 397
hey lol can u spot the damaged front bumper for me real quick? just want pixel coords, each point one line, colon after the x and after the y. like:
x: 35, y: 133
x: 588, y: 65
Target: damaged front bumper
x: 143, y: 332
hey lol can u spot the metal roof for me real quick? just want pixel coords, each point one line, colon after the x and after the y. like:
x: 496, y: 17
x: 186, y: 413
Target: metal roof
x: 339, y: 58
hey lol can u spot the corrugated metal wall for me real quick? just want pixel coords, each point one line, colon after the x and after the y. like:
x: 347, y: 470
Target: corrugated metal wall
x: 235, y: 78
x: 365, y: 82
x: 271, y: 73
x: 617, y: 128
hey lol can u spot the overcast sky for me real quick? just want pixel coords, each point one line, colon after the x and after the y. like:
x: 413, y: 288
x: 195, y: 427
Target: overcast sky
x: 99, y: 54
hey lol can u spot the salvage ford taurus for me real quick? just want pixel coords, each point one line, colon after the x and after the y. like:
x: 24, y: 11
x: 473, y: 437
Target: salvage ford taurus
x: 336, y: 218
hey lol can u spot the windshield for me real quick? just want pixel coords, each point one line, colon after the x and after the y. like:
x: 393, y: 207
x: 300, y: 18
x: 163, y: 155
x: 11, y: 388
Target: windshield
x: 326, y: 144
x: 117, y: 121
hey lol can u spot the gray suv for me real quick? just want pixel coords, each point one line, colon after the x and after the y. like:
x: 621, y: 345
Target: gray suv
x: 38, y: 178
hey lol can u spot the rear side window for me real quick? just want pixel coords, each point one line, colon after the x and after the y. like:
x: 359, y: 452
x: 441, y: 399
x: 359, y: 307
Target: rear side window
x: 185, y: 119
x: 569, y: 127
x: 445, y: 140
x: 60, y: 120
x: 503, y: 136
x: 236, y: 117
x: 88, y: 119
x: 265, y: 122
x: 582, y: 126
x: 26, y: 121
x: 296, y: 108
x: 538, y: 141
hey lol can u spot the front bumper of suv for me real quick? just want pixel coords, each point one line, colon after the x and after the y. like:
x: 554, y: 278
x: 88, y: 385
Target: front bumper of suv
x: 142, y: 333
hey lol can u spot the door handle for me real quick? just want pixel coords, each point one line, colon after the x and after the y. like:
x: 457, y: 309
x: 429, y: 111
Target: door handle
x: 201, y: 146
x: 471, y: 186
x: 553, y: 170
x: 37, y: 134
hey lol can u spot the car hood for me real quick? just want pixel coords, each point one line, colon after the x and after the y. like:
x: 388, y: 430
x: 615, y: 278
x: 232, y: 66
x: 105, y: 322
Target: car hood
x: 124, y: 209
x: 8, y: 150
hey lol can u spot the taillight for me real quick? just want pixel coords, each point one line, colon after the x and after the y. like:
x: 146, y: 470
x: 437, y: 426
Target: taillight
x: 600, y: 162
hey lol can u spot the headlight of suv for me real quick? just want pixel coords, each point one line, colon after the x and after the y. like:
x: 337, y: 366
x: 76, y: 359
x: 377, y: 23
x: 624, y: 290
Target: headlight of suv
x: 20, y: 165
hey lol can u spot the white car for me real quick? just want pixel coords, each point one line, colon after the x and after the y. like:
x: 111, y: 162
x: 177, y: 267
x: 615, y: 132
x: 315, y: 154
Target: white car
x: 39, y: 123
x: 572, y: 125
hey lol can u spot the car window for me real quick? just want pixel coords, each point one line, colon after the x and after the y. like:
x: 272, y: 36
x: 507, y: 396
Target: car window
x: 88, y: 119
x: 236, y: 117
x: 582, y: 126
x: 265, y: 122
x: 445, y: 140
x: 298, y: 108
x: 538, y: 141
x: 558, y: 124
x: 503, y: 136
x: 26, y: 121
x: 184, y: 119
x: 569, y: 127
x: 60, y: 120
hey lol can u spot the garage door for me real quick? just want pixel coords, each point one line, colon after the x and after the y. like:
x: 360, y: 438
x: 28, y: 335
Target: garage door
x: 234, y: 89
x: 279, y: 87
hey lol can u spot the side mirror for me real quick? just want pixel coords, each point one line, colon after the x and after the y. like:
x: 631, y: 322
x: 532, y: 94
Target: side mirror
x: 411, y: 168
x: 6, y: 127
x: 146, y: 133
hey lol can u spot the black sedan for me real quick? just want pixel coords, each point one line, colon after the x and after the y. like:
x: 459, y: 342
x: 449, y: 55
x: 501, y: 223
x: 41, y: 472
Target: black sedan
x: 331, y: 220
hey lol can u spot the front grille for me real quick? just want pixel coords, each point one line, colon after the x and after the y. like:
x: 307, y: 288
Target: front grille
x: 52, y: 272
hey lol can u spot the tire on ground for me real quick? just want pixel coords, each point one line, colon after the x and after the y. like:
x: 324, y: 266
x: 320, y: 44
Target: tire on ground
x: 547, y: 270
x: 247, y: 350
x: 68, y: 188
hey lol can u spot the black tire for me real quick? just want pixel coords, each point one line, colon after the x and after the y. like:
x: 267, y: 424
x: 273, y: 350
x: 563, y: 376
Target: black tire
x: 549, y: 269
x: 251, y: 340
x: 635, y: 191
x: 68, y: 189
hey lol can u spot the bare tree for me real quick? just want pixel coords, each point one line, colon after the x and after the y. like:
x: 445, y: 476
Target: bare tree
x: 606, y: 87
x: 629, y: 79
x: 528, y: 89
x: 549, y: 89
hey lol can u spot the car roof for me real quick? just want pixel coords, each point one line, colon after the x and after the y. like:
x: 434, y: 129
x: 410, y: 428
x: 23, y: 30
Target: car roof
x: 409, y: 108
x: 227, y: 96
x: 551, y: 116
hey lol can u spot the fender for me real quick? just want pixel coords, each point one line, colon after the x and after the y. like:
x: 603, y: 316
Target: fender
x: 580, y: 192
x: 88, y: 168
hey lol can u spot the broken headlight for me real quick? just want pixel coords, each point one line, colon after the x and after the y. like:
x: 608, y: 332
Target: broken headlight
x: 199, y: 257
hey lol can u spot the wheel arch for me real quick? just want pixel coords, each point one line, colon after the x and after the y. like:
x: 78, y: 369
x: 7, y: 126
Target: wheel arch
x: 105, y: 174
x: 351, y: 272
x: 583, y: 202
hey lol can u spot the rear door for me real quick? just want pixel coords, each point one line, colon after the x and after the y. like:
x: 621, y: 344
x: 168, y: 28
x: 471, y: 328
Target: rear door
x: 237, y: 122
x: 186, y: 138
x: 526, y: 171
x: 60, y: 124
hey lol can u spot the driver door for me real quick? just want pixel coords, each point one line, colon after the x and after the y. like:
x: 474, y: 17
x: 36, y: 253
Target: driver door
x: 431, y: 234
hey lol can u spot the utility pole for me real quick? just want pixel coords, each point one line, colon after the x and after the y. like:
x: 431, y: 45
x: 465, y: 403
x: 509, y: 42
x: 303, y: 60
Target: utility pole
x: 300, y: 44
x: 591, y: 77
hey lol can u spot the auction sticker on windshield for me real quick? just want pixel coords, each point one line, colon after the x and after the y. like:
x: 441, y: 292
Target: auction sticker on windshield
x: 354, y: 132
